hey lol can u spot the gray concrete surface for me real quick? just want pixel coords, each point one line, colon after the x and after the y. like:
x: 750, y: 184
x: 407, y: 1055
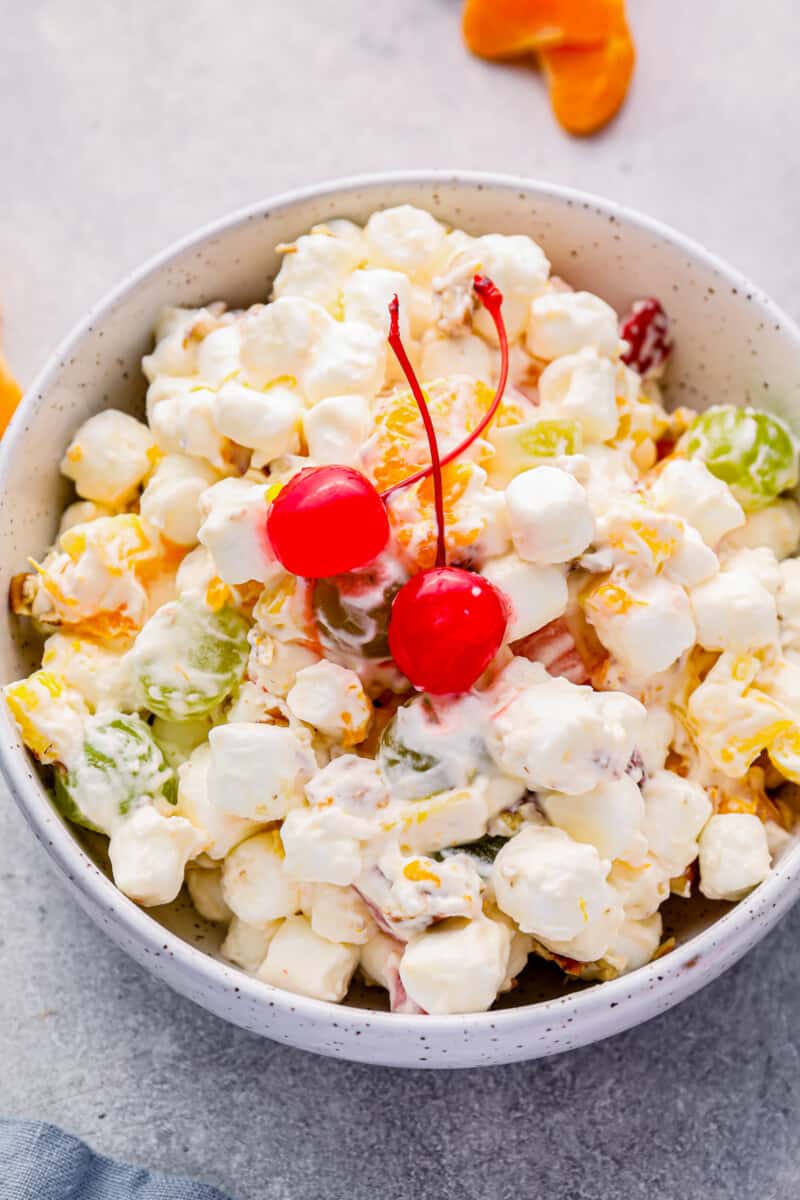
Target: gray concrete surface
x: 122, y: 126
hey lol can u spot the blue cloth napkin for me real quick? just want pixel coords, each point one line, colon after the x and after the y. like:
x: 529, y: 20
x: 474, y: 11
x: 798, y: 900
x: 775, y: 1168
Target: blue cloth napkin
x: 41, y: 1162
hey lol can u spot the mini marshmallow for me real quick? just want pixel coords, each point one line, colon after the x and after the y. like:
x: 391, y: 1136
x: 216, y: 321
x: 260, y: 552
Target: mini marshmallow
x: 646, y: 624
x: 170, y: 501
x: 279, y: 338
x: 315, y: 268
x: 340, y: 915
x: 234, y: 515
x: 299, y: 960
x: 349, y: 357
x: 560, y: 737
x: 109, y: 457
x: 403, y: 238
x: 610, y: 817
x: 149, y: 854
x: 222, y: 830
x: 686, y: 488
x: 734, y: 611
x: 367, y: 294
x: 457, y: 966
x: 255, y: 883
x: 565, y: 322
x: 257, y: 771
x: 549, y: 514
x: 267, y: 422
x: 333, y: 700
x: 549, y: 884
x: 204, y: 885
x: 675, y: 810
x: 582, y: 387
x: 734, y: 856
x: 247, y: 945
x: 535, y: 594
x: 336, y: 428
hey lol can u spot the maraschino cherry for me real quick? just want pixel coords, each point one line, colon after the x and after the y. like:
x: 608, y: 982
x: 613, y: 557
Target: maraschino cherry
x: 326, y: 521
x: 446, y: 623
x: 331, y: 520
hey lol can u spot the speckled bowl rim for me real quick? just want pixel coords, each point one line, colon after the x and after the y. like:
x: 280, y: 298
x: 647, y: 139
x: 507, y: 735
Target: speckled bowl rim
x: 692, y: 964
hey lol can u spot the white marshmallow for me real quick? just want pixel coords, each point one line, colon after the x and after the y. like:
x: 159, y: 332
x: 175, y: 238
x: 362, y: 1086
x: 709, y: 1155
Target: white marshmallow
x: 403, y: 238
x: 299, y: 960
x: 777, y: 527
x: 643, y: 889
x: 81, y: 512
x: 279, y: 338
x: 535, y: 594
x: 582, y: 387
x: 149, y: 854
x: 109, y: 457
x: 646, y: 624
x: 734, y: 611
x: 247, y: 945
x: 566, y: 322
x: 466, y: 354
x: 255, y: 883
x: 257, y: 771
x: 596, y: 937
x: 519, y: 268
x: 170, y: 501
x: 635, y: 943
x: 325, y: 845
x: 340, y: 915
x: 609, y: 817
x: 333, y: 700
x: 368, y: 293
x: 234, y: 530
x: 218, y: 354
x: 222, y: 830
x: 549, y: 514
x: 734, y: 856
x: 182, y: 419
x: 788, y: 600
x: 675, y: 810
x: 686, y: 488
x: 552, y: 886
x: 349, y: 358
x: 315, y: 268
x: 267, y: 422
x: 204, y: 885
x: 560, y: 737
x: 336, y: 428
x: 457, y: 966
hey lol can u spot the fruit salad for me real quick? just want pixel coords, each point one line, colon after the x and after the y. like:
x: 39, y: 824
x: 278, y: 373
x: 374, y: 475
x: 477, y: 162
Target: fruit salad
x: 411, y: 633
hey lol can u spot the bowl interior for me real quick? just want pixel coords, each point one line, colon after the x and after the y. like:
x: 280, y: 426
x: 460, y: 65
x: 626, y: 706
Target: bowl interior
x: 732, y: 345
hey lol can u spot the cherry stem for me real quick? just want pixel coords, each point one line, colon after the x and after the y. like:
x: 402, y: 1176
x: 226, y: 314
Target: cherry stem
x: 396, y: 342
x: 492, y: 300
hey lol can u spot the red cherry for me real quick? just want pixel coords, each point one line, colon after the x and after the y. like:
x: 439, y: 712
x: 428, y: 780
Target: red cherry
x: 646, y: 330
x: 327, y: 520
x: 447, y: 625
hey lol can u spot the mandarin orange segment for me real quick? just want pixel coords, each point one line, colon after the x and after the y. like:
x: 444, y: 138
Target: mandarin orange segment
x: 503, y: 28
x: 588, y: 83
x: 10, y: 393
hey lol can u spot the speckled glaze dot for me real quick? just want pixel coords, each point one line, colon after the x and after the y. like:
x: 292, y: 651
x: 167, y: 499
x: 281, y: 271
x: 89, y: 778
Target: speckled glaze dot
x: 731, y: 340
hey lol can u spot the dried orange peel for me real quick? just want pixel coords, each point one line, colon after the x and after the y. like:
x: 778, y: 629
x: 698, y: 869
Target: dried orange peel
x: 585, y: 48
x: 10, y: 393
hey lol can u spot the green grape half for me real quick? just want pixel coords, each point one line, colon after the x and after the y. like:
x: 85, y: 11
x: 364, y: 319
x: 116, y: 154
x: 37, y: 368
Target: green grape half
x: 120, y: 766
x: 750, y: 450
x: 188, y: 658
x: 352, y: 611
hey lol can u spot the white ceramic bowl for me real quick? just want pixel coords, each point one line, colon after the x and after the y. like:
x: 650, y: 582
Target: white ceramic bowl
x: 733, y: 344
